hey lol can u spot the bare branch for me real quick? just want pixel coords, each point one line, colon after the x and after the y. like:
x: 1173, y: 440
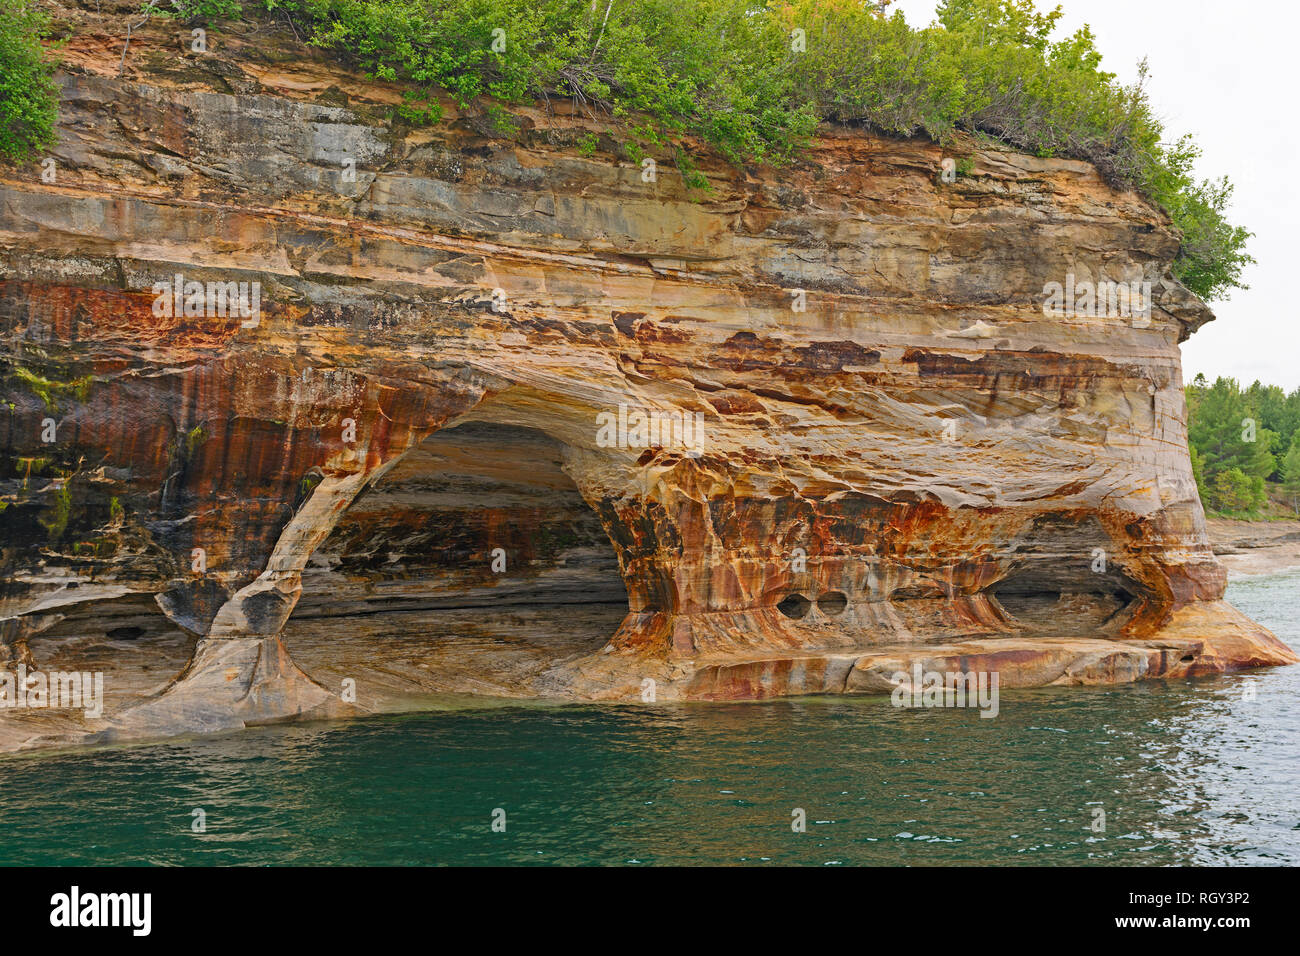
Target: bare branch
x: 601, y: 35
x: 130, y: 28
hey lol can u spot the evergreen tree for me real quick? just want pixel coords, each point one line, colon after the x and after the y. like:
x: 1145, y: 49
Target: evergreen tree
x: 1233, y: 449
x: 1291, y: 473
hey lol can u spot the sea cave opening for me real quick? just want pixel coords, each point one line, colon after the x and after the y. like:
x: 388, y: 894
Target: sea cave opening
x: 472, y: 566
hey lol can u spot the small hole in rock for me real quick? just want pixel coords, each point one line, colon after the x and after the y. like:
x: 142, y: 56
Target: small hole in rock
x: 794, y: 606
x: 832, y: 603
x: 129, y: 633
x: 1188, y: 657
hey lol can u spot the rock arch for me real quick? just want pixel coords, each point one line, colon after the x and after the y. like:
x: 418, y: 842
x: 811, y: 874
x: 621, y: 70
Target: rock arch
x: 474, y: 565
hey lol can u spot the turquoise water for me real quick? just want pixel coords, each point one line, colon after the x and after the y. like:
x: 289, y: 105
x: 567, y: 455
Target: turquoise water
x: 1186, y: 772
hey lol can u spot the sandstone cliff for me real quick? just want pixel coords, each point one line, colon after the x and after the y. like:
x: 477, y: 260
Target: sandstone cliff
x: 896, y: 455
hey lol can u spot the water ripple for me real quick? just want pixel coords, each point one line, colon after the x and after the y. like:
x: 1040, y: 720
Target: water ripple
x: 1184, y: 771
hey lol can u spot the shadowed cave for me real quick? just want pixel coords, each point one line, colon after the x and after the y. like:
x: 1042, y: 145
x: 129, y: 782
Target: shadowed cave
x: 402, y: 597
x: 472, y: 566
x: 1065, y: 580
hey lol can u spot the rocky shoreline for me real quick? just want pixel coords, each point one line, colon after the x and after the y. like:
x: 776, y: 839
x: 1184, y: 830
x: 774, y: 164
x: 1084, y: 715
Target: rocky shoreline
x: 1249, y: 548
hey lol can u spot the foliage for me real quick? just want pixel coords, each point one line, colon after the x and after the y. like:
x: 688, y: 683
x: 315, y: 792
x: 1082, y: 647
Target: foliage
x: 1230, y: 468
x: 739, y: 74
x: 28, y: 97
x: 1291, y: 472
x: 60, y: 510
x: 1213, y: 253
x: 752, y: 78
x: 1236, y: 493
x: 48, y: 390
x: 195, y: 9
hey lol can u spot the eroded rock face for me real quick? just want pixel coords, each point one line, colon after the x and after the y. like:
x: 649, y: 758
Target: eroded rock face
x: 886, y: 451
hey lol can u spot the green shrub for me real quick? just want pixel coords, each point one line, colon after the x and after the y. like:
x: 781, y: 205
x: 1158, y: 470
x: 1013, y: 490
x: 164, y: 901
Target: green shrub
x: 732, y: 72
x: 28, y: 96
x: 1236, y: 493
x: 1213, y: 252
x: 196, y: 9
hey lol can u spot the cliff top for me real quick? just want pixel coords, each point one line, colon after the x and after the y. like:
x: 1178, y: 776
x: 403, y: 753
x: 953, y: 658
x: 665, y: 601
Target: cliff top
x: 750, y: 83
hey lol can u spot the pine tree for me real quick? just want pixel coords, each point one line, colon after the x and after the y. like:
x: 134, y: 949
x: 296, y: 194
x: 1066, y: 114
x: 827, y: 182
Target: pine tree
x: 1291, y: 472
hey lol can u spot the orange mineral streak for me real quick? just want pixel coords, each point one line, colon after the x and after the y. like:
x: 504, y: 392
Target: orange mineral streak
x: 108, y: 319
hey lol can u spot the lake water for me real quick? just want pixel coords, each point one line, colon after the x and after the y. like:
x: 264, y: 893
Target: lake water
x: 1186, y: 772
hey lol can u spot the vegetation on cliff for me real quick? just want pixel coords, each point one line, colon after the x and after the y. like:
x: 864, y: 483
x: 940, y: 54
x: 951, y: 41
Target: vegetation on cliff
x: 752, y: 78
x: 1244, y: 444
x: 28, y: 100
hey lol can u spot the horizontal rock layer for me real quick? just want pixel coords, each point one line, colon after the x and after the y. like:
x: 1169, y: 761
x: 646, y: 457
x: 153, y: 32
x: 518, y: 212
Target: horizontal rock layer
x: 883, y: 450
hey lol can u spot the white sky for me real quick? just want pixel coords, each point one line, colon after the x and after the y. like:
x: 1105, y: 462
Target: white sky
x: 1223, y: 71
